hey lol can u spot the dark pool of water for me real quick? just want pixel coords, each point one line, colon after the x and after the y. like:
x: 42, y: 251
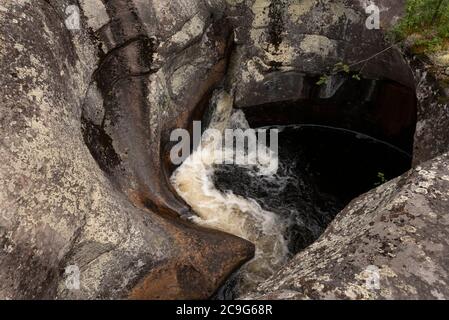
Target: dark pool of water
x: 321, y: 170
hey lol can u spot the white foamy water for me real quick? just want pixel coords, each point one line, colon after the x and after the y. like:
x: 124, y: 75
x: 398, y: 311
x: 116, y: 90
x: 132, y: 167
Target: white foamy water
x: 226, y: 211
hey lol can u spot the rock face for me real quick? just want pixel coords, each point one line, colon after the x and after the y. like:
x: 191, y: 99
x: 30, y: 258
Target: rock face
x: 86, y: 117
x: 282, y: 44
x: 283, y: 48
x: 432, y: 133
x: 150, y: 81
x: 395, y: 236
x: 106, y: 218
x: 390, y: 243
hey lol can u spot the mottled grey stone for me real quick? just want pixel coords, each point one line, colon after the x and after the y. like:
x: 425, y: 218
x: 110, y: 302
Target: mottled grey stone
x: 400, y: 228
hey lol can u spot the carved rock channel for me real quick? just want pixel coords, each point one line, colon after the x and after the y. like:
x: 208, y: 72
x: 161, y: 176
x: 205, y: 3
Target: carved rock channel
x: 85, y: 122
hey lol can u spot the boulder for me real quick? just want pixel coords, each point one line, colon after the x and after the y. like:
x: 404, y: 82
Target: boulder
x: 390, y: 243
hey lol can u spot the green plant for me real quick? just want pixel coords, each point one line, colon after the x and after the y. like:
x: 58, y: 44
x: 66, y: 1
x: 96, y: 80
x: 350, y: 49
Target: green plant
x: 381, y: 179
x: 429, y: 21
x: 340, y: 67
x: 323, y: 80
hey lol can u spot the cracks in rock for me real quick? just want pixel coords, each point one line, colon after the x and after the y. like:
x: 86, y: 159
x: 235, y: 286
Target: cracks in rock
x: 147, y: 42
x: 100, y: 145
x: 56, y: 11
x: 107, y: 87
x: 132, y: 75
x: 193, y: 42
x: 184, y: 23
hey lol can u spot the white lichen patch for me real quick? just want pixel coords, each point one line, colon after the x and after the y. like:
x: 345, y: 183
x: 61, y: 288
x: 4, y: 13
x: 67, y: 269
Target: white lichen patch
x: 400, y: 200
x: 427, y: 174
x: 174, y: 14
x: 26, y: 72
x: 191, y: 30
x: 319, y: 45
x: 233, y: 3
x: 260, y: 12
x: 19, y: 47
x: 441, y: 59
x: 286, y: 54
x: 252, y: 70
x: 95, y: 12
x: 339, y: 11
x: 298, y: 8
x: 355, y: 292
x: 180, y: 78
x: 159, y: 97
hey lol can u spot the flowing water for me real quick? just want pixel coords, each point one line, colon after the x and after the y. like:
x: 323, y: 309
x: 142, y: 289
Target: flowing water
x: 226, y: 211
x: 319, y: 171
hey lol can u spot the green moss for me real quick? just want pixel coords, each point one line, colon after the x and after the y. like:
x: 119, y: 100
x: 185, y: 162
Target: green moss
x: 428, y: 20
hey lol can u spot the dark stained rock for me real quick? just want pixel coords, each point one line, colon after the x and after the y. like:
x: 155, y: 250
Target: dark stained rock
x: 432, y: 128
x: 283, y: 50
x: 282, y: 44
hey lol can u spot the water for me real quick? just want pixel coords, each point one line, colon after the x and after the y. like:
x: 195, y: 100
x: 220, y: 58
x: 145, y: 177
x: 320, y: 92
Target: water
x: 226, y: 211
x: 320, y: 170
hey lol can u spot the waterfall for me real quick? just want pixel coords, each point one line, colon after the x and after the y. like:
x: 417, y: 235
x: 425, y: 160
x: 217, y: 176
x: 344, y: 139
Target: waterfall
x: 225, y: 211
